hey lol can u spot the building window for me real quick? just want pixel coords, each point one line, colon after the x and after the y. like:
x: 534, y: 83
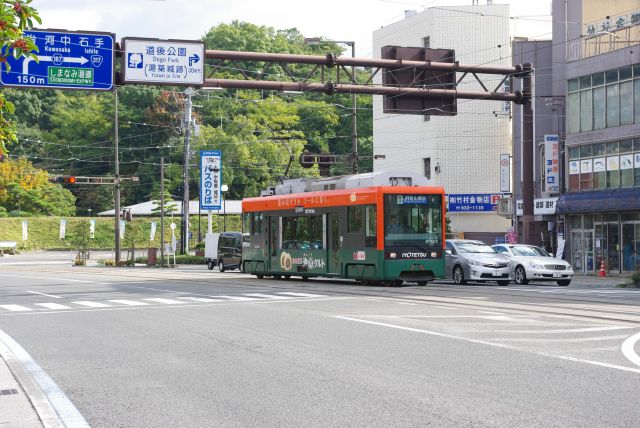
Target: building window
x: 354, y: 218
x: 427, y: 168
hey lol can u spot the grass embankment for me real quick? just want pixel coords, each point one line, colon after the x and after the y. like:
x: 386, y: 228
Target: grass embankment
x: 44, y: 232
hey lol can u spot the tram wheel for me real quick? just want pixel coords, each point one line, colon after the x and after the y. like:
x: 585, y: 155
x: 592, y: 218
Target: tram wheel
x: 305, y: 278
x: 259, y: 276
x: 394, y: 283
x: 422, y: 283
x: 277, y: 276
x: 286, y: 276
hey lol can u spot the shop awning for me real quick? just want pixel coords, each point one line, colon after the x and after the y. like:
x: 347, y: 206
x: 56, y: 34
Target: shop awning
x: 599, y: 201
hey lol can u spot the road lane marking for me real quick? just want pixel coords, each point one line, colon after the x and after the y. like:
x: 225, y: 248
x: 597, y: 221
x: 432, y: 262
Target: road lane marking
x: 43, y: 294
x: 267, y: 296
x: 52, y: 306
x: 501, y: 345
x: 628, y: 351
x: 238, y: 298
x: 165, y: 301
x: 288, y: 293
x: 563, y: 340
x: 52, y: 405
x: 200, y: 299
x: 15, y: 308
x: 566, y: 330
x: 91, y: 304
x: 53, y: 279
x: 127, y: 302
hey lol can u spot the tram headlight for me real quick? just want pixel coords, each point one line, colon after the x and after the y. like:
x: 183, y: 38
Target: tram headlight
x: 392, y: 255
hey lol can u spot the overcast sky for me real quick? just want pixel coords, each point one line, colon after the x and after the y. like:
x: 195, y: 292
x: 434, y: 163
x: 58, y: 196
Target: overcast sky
x: 333, y: 19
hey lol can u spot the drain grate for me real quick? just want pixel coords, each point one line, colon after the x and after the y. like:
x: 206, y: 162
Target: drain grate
x: 8, y: 391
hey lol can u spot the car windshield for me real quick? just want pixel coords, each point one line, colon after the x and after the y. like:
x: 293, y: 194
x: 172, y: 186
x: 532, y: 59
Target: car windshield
x: 474, y: 247
x: 529, y: 251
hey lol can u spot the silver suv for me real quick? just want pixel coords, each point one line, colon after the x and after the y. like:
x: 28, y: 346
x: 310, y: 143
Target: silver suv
x: 468, y: 260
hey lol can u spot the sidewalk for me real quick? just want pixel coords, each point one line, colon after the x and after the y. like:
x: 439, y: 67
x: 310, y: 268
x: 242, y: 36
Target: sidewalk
x: 596, y: 281
x: 15, y: 408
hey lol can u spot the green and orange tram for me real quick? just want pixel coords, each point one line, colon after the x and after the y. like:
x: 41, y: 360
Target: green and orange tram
x: 379, y: 227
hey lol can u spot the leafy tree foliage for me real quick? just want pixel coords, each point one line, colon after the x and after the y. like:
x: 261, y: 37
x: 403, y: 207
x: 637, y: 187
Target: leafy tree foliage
x: 15, y: 17
x: 27, y: 189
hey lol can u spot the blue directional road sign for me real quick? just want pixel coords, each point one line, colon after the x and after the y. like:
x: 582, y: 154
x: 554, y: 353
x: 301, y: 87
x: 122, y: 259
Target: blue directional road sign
x: 66, y: 60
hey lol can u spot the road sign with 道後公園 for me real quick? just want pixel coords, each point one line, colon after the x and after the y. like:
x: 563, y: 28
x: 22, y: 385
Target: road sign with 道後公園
x: 66, y: 60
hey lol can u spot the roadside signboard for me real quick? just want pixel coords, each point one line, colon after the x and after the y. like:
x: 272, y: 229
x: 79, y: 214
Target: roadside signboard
x: 541, y: 206
x: 66, y: 60
x: 172, y: 62
x: 210, y: 179
x: 551, y: 164
x: 472, y: 202
x: 505, y: 173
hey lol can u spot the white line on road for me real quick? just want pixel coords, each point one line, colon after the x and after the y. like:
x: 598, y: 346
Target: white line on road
x: 91, y: 304
x: 267, y: 296
x: 501, y: 345
x: 200, y: 299
x: 127, y: 302
x: 563, y: 340
x: 43, y: 294
x: 627, y: 349
x: 50, y: 402
x: 566, y: 330
x: 52, y: 279
x: 238, y: 298
x: 302, y: 294
x: 15, y: 308
x: 52, y: 306
x: 165, y: 301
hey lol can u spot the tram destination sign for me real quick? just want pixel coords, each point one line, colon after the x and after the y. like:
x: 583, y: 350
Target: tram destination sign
x: 169, y: 62
x: 66, y: 60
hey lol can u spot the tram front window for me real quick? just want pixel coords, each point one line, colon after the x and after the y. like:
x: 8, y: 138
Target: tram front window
x: 413, y: 220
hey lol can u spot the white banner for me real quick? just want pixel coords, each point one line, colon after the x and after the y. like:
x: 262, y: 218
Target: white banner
x: 599, y: 165
x: 574, y: 167
x: 63, y: 228
x: 210, y: 179
x: 505, y: 173
x: 152, y: 234
x: 560, y: 250
x: 551, y: 164
x: 586, y: 166
x: 626, y: 161
x: 92, y: 228
x: 25, y: 234
x: 123, y: 224
x: 613, y: 163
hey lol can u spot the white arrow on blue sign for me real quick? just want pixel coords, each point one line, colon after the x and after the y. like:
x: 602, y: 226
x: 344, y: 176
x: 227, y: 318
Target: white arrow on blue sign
x: 66, y: 60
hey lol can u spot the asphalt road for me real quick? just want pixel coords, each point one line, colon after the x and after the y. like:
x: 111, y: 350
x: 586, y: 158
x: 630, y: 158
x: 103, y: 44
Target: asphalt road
x: 191, y: 347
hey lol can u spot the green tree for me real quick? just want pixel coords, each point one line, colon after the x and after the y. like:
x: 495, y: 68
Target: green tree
x: 80, y: 238
x: 16, y: 16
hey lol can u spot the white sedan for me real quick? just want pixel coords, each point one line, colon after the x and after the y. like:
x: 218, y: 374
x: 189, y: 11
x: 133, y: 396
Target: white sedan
x: 531, y: 263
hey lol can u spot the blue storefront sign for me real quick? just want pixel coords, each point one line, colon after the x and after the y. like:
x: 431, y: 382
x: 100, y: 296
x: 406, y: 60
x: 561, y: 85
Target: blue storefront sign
x: 66, y: 60
x: 473, y: 202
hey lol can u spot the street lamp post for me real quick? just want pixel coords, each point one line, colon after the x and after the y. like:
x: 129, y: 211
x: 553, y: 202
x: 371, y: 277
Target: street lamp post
x: 224, y: 188
x: 315, y: 41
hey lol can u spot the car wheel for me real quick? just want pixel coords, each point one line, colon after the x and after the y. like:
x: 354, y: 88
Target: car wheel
x: 521, y: 276
x: 210, y: 264
x: 458, y: 276
x: 564, y: 282
x: 221, y: 266
x: 503, y: 283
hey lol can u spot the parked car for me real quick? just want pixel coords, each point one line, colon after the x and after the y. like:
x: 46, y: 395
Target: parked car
x: 531, y: 263
x: 225, y: 250
x: 469, y: 260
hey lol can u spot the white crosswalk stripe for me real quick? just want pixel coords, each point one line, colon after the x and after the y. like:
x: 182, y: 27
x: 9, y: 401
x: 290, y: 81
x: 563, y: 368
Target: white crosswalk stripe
x: 288, y: 293
x: 128, y: 302
x: 92, y: 304
x: 15, y: 308
x: 200, y: 299
x: 166, y: 301
x: 53, y: 306
x: 267, y: 296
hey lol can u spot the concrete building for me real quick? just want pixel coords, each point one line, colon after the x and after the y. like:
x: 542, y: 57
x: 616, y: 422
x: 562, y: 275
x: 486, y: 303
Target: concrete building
x: 462, y: 152
x: 596, y: 65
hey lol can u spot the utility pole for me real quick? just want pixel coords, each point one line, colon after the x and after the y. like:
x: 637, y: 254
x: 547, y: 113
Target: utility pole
x: 162, y: 211
x: 354, y: 121
x: 117, y: 183
x: 527, y: 157
x: 184, y: 247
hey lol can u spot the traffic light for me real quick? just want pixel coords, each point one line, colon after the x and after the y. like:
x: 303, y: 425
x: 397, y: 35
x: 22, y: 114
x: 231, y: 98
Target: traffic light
x: 70, y: 180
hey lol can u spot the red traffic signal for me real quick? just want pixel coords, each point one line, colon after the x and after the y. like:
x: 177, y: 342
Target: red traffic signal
x: 70, y: 180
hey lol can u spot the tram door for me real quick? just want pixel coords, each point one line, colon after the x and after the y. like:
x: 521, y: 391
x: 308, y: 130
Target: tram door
x: 333, y: 243
x: 273, y: 243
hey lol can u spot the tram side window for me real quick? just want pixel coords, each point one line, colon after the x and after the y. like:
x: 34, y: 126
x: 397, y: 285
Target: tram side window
x: 246, y: 223
x: 354, y: 218
x: 302, y: 232
x: 257, y: 223
x: 371, y: 225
